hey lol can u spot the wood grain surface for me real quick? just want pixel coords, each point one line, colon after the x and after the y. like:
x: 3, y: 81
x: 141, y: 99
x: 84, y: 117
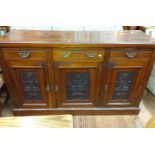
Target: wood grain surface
x: 105, y: 55
x: 99, y: 121
x: 54, y: 121
x: 127, y: 38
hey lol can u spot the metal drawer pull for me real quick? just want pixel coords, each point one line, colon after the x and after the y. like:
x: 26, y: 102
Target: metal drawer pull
x: 131, y: 54
x: 66, y: 54
x: 91, y: 54
x: 24, y: 54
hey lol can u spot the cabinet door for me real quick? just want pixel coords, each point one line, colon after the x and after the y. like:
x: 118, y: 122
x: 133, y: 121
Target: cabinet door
x: 30, y: 80
x: 77, y: 84
x: 124, y: 80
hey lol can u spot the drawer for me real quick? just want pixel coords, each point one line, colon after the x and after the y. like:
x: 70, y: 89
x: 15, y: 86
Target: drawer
x: 24, y: 53
x: 78, y: 55
x: 128, y: 54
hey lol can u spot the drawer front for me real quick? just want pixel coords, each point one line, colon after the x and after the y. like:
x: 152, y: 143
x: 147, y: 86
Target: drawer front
x: 24, y: 53
x: 78, y: 55
x: 128, y: 54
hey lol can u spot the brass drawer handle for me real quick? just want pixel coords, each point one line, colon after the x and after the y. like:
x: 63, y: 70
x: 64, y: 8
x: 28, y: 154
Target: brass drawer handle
x: 131, y: 54
x: 24, y: 54
x: 91, y: 54
x: 66, y: 54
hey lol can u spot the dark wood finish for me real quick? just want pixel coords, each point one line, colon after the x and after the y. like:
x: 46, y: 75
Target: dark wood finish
x: 142, y: 28
x: 29, y: 80
x: 123, y: 83
x: 76, y: 72
x: 121, y: 54
x: 91, y: 85
x: 35, y: 38
x: 77, y: 111
x: 35, y: 69
x: 35, y: 54
x: 78, y: 54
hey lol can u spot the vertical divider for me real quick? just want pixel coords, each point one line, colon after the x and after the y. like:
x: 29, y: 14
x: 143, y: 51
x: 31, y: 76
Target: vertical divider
x: 52, y: 98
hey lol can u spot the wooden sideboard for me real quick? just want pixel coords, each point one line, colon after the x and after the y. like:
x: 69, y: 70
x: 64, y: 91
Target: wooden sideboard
x: 76, y: 72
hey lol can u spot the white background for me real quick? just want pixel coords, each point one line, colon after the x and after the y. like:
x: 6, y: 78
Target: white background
x: 77, y: 141
x: 77, y: 12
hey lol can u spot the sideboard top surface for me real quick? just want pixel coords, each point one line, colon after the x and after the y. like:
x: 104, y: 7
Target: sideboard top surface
x: 132, y: 38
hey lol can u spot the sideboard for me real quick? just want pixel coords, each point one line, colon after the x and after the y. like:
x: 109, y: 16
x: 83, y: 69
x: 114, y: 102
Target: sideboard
x: 79, y: 73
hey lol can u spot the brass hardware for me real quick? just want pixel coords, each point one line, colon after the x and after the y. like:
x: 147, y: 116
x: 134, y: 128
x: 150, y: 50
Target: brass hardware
x: 24, y: 54
x: 56, y: 88
x: 100, y: 55
x: 66, y: 54
x: 131, y: 54
x: 91, y: 54
x: 48, y: 88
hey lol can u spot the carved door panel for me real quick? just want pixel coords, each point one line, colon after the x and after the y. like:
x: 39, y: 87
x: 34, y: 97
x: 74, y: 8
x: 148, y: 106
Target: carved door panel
x: 77, y: 84
x: 123, y: 82
x: 30, y: 80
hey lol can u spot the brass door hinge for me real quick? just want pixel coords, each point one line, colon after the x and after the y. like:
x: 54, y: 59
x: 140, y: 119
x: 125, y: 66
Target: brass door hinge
x: 48, y: 88
x: 56, y: 88
x: 52, y: 88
